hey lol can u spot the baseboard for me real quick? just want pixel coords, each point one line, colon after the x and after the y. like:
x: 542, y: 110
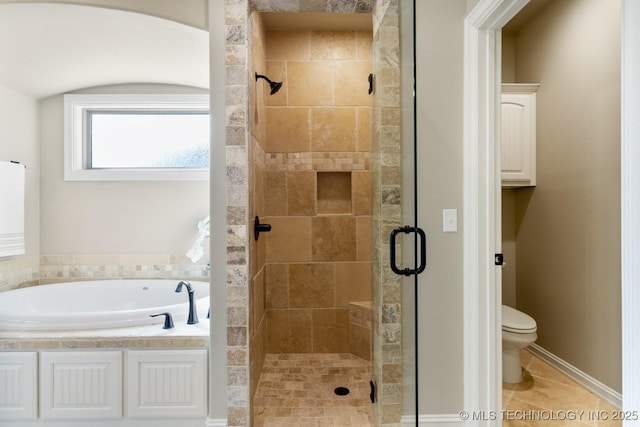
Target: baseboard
x: 591, y: 384
x: 433, y: 420
x: 220, y: 422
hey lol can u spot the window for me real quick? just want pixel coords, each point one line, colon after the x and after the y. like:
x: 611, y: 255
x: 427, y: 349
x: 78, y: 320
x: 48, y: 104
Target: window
x: 136, y: 137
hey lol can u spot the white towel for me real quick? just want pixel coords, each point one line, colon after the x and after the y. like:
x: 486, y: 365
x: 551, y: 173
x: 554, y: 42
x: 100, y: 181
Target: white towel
x: 12, y: 179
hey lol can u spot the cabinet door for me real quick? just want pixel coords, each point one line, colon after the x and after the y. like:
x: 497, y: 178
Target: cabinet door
x: 167, y: 383
x: 18, y: 386
x: 81, y: 385
x: 518, y: 139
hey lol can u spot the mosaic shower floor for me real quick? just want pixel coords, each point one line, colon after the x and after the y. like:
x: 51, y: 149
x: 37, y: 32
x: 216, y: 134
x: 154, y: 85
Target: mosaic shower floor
x: 298, y: 390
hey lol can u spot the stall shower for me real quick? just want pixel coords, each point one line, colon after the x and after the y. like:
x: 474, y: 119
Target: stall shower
x: 318, y: 160
x: 311, y: 181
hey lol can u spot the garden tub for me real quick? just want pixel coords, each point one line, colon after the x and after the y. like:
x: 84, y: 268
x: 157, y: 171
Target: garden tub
x: 97, y: 304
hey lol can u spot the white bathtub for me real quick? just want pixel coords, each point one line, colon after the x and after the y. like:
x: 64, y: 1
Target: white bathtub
x: 97, y: 304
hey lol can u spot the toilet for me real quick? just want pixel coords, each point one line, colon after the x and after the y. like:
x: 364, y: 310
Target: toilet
x: 518, y: 331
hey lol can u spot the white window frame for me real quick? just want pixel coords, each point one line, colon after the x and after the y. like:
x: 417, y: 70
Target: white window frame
x: 76, y: 107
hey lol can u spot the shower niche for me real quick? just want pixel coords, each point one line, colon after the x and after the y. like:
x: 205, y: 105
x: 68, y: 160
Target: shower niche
x: 333, y: 193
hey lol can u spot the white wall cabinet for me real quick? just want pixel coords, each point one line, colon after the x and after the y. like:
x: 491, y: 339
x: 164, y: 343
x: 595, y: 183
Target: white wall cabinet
x: 518, y: 135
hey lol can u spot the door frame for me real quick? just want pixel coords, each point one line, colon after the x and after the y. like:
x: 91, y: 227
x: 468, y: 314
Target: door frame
x: 481, y: 185
x: 482, y: 285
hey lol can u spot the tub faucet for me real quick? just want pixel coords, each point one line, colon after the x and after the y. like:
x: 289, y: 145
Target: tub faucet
x: 193, y: 314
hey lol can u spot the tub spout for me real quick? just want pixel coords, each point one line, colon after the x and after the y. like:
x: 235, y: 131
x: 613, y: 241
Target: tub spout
x: 193, y: 314
x: 168, y: 320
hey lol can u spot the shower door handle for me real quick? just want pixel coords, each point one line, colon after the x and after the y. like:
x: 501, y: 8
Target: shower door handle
x: 423, y: 250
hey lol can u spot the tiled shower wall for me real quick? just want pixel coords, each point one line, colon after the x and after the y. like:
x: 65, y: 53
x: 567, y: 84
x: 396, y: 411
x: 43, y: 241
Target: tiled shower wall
x: 387, y: 214
x: 385, y: 168
x: 318, y: 188
x: 257, y: 196
x: 299, y: 178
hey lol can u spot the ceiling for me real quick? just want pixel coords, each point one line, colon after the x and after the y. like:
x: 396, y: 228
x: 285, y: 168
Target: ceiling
x: 48, y: 49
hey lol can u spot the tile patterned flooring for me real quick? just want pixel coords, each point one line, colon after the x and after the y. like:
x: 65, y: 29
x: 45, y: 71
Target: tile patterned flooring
x: 544, y: 392
x: 297, y: 390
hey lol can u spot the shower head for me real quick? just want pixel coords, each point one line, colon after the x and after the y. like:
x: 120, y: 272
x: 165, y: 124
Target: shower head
x: 275, y: 86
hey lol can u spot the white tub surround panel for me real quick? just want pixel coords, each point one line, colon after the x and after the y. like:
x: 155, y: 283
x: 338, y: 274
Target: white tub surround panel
x: 167, y: 383
x: 163, y: 388
x: 19, y: 379
x: 80, y: 385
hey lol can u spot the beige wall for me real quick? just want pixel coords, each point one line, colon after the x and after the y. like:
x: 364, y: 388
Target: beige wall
x: 106, y: 218
x: 509, y: 233
x: 153, y: 223
x: 18, y: 141
x: 440, y: 109
x: 508, y: 57
x: 568, y: 266
x: 509, y: 194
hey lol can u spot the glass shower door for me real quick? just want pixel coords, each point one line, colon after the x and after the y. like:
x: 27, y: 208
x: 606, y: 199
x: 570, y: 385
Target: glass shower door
x: 399, y: 244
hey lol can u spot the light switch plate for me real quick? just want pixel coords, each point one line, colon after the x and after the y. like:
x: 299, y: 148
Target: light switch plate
x: 450, y: 220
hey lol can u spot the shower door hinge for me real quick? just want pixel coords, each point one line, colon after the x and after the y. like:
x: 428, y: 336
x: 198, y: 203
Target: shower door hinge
x: 372, y: 394
x: 499, y: 259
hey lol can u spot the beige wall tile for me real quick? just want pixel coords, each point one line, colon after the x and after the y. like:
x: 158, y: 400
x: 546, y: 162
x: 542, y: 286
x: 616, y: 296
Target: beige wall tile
x: 353, y: 282
x: 331, y: 330
x: 277, y: 72
x: 392, y: 374
x: 364, y: 40
x: 312, y: 285
x: 391, y: 175
x: 237, y: 336
x: 333, y: 45
x: 276, y: 202
x: 277, y: 285
x: 361, y: 192
x: 351, y: 83
x: 301, y: 192
x: 333, y: 238
x: 363, y: 139
x: 360, y: 341
x: 287, y: 130
x: 258, y: 299
x: 333, y: 129
x: 360, y: 313
x: 287, y: 45
x: 363, y: 239
x: 289, y: 239
x: 288, y: 331
x: 309, y: 83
